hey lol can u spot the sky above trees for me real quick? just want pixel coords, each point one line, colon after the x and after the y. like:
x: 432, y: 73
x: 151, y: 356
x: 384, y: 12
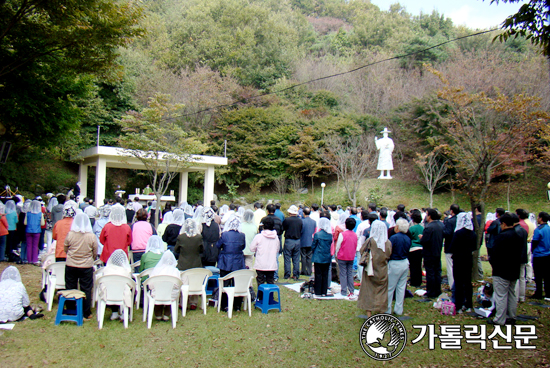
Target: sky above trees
x: 472, y: 13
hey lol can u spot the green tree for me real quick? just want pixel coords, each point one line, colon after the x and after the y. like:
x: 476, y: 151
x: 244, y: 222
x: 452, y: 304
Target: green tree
x: 49, y: 51
x: 303, y: 157
x: 155, y: 137
x: 531, y: 21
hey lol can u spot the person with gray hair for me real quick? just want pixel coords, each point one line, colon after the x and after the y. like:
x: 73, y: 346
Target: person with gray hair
x: 398, y: 266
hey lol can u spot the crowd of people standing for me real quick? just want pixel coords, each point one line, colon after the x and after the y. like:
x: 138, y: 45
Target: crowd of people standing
x: 378, y: 249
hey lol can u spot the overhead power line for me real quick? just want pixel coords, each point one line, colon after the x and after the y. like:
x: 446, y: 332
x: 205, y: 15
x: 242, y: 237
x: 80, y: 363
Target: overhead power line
x: 335, y: 75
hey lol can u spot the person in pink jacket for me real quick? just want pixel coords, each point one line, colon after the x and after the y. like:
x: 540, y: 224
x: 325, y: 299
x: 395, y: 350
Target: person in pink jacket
x: 266, y: 247
x: 345, y: 254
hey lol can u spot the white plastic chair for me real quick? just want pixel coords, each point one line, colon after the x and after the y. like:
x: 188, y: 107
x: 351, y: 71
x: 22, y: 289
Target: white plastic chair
x: 243, y: 281
x: 137, y: 277
x: 95, y: 293
x: 56, y: 280
x: 115, y: 286
x: 163, y: 286
x: 197, y: 280
x: 45, y: 274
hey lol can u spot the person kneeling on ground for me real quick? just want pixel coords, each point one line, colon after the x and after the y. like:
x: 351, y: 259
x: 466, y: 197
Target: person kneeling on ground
x: 266, y: 247
x: 14, y: 300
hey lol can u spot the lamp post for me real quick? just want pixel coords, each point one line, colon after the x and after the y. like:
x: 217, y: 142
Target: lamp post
x: 323, y: 185
x: 548, y: 191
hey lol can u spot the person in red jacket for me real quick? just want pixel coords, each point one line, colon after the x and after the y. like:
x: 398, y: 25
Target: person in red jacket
x: 345, y: 254
x: 116, y: 234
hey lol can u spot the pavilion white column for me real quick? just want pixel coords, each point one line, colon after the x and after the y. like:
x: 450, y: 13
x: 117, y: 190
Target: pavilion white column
x: 208, y: 185
x: 100, y: 179
x: 83, y: 178
x: 184, y: 182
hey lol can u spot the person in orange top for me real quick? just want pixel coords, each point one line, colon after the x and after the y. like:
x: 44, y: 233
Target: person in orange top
x: 3, y: 231
x: 62, y: 228
x: 116, y: 234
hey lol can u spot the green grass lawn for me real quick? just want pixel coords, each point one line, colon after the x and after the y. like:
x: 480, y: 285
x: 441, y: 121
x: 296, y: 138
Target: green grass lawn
x: 307, y: 333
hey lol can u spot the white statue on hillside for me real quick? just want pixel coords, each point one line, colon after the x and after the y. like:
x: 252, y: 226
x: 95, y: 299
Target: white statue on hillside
x: 385, y: 146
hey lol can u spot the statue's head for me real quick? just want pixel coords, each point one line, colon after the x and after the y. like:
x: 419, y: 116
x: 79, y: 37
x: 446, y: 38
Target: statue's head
x: 385, y: 132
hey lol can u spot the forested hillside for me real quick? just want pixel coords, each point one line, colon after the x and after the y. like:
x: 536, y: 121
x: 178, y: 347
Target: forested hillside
x: 233, y: 64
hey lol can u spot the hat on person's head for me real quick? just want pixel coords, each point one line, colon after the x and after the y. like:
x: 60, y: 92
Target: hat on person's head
x: 293, y: 210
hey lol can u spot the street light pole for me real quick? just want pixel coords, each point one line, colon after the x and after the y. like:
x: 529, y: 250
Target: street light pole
x: 323, y: 185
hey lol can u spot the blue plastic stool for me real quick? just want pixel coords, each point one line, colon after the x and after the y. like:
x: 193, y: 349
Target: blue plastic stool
x: 266, y: 298
x: 78, y: 318
x: 212, y: 284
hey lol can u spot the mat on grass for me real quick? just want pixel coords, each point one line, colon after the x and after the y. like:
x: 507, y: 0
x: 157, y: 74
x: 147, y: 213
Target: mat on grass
x: 337, y: 296
x: 537, y: 304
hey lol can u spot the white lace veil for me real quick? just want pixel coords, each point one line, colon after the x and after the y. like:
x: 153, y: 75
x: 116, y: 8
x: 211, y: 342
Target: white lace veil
x: 118, y: 215
x: 154, y: 205
x: 11, y: 273
x: 223, y: 210
x: 208, y: 216
x: 240, y: 212
x: 2, y: 208
x: 189, y: 228
x: 105, y: 211
x: 10, y: 206
x: 166, y: 265
x: 168, y: 218
x: 35, y: 207
x: 26, y: 206
x: 188, y: 210
x: 464, y: 220
x: 232, y: 224
x: 248, y: 216
x: 81, y: 224
x: 120, y: 259
x: 342, y: 220
x: 379, y: 232
x: 197, y: 216
x: 69, y: 209
x: 178, y: 217
x: 52, y: 203
x: 155, y: 245
x: 324, y: 224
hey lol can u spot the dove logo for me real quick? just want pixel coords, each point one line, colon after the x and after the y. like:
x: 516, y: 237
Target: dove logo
x: 383, y: 337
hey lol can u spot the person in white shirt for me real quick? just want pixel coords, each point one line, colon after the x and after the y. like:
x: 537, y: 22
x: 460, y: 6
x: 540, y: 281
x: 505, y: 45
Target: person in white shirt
x: 259, y: 213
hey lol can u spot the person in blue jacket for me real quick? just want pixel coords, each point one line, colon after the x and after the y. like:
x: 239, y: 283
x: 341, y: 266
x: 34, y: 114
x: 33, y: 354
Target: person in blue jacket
x: 322, y: 241
x: 231, y: 256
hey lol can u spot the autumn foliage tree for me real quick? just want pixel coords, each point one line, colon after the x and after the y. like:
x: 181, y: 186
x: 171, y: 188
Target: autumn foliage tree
x: 482, y: 134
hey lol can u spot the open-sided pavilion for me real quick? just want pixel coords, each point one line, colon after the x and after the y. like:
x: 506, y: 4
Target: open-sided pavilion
x: 103, y: 157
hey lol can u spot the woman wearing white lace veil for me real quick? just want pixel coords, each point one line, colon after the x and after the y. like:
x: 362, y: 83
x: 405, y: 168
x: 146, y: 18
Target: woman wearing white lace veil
x: 167, y: 219
x: 210, y: 236
x: 249, y: 229
x: 375, y: 253
x: 14, y: 300
x: 231, y: 257
x: 188, y: 211
x: 197, y: 216
x: 165, y: 267
x: 81, y: 248
x: 12, y: 241
x: 104, y: 213
x: 62, y: 228
x: 34, y: 220
x: 116, y: 234
x: 118, y: 265
x: 172, y: 231
x: 153, y: 252
x: 462, y: 246
x: 49, y: 220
